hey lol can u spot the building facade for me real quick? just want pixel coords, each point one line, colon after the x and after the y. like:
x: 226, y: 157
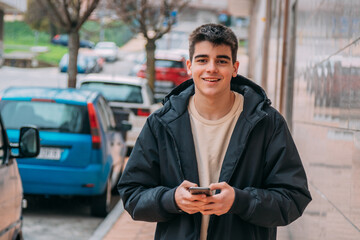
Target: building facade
x: 312, y: 74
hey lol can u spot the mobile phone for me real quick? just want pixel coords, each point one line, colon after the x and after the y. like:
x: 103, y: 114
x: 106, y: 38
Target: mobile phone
x: 200, y: 190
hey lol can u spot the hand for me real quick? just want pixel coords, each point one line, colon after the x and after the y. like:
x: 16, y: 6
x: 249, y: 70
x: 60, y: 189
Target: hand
x: 186, y: 201
x: 221, y: 203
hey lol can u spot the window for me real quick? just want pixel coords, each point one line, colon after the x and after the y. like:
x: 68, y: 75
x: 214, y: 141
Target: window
x: 168, y: 64
x: 48, y: 116
x: 116, y: 92
x: 104, y: 116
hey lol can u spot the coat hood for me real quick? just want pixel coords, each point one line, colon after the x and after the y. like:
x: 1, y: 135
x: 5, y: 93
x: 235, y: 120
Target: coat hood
x: 255, y: 98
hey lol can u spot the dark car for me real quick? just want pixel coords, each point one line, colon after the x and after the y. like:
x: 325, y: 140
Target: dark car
x: 82, y: 150
x: 11, y: 191
x: 63, y: 39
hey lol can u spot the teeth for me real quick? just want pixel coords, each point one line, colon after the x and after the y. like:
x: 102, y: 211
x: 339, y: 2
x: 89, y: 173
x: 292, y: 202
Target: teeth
x: 211, y: 80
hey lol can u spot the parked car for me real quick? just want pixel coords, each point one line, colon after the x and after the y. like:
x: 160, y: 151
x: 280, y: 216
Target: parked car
x: 107, y: 50
x: 170, y: 71
x: 11, y: 191
x: 82, y: 151
x: 63, y: 39
x: 96, y: 62
x: 127, y: 93
x: 85, y: 64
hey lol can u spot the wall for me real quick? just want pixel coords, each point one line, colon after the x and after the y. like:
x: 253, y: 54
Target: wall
x: 326, y: 111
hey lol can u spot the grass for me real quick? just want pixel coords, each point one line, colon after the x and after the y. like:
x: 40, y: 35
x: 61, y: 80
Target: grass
x: 18, y: 36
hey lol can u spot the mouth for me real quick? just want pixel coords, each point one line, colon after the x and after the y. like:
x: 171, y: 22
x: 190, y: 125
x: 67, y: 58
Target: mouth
x: 211, y: 79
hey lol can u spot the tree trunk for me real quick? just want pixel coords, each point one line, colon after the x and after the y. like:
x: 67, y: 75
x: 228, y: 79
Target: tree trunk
x: 73, y: 56
x: 150, y: 63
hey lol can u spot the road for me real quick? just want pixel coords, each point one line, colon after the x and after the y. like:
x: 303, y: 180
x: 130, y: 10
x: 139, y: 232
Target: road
x: 55, y: 217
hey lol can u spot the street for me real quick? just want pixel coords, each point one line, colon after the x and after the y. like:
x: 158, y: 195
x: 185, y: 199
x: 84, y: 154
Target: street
x: 58, y: 217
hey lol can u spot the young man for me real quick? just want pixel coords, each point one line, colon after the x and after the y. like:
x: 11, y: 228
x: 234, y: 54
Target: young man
x: 216, y: 130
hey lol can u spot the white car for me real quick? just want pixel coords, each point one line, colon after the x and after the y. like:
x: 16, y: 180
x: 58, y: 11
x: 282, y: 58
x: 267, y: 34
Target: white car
x: 125, y: 93
x: 107, y: 50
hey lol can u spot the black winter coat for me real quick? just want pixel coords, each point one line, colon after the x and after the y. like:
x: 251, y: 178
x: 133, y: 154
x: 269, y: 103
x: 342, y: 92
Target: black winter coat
x: 261, y: 164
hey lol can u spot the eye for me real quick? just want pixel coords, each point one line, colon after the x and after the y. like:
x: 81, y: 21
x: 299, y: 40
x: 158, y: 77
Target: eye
x: 201, y: 60
x: 223, y: 61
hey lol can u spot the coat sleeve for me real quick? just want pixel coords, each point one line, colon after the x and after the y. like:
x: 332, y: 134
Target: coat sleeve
x: 284, y: 194
x: 140, y: 185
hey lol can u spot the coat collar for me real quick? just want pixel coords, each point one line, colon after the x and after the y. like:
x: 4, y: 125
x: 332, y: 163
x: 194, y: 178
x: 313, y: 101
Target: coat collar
x: 175, y: 117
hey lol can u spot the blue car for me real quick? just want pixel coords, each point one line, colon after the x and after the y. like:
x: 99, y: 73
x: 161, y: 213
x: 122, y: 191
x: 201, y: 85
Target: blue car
x: 63, y: 39
x: 82, y: 151
x: 85, y: 64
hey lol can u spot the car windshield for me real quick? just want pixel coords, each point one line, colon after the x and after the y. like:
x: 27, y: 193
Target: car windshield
x: 116, y: 92
x: 168, y: 64
x: 48, y: 116
x: 105, y: 46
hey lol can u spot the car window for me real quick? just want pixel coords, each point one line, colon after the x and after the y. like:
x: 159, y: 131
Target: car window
x: 104, y: 116
x: 116, y: 92
x: 49, y: 116
x: 168, y: 64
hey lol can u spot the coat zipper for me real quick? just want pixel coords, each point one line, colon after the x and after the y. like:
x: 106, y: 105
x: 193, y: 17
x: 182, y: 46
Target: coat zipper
x: 210, y: 230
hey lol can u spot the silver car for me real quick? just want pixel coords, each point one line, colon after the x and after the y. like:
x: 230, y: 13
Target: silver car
x: 132, y: 95
x: 107, y: 50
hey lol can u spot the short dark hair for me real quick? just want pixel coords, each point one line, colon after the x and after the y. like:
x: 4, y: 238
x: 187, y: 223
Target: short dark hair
x: 217, y: 34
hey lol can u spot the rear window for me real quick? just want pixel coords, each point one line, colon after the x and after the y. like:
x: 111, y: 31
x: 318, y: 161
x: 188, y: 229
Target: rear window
x: 49, y: 116
x: 116, y: 92
x: 168, y: 64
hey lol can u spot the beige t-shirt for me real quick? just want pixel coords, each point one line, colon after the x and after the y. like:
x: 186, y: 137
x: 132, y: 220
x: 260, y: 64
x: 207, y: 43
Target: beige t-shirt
x: 211, y: 139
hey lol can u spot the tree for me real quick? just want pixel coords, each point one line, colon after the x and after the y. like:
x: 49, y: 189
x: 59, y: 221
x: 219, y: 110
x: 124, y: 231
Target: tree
x: 70, y: 15
x: 151, y: 18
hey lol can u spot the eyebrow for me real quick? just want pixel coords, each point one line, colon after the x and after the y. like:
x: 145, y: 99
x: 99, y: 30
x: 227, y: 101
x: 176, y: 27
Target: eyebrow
x: 218, y: 56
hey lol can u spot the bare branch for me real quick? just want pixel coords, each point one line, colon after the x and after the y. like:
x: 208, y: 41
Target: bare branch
x: 87, y: 13
x: 53, y: 12
x: 66, y: 11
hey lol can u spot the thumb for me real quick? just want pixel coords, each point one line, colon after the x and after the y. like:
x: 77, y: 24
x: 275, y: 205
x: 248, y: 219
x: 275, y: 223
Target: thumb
x: 187, y: 184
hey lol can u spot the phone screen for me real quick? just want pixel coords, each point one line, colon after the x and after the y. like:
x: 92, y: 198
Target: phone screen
x: 200, y: 190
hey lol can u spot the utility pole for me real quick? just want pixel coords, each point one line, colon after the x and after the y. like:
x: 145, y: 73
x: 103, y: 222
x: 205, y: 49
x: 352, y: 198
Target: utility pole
x: 284, y: 58
x: 291, y: 73
x: 265, y: 58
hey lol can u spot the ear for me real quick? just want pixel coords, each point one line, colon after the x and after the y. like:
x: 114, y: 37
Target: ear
x: 236, y: 68
x: 188, y: 66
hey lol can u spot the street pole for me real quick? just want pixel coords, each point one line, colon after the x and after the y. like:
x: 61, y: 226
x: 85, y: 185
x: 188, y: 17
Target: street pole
x: 284, y: 58
x: 291, y: 72
x: 265, y: 58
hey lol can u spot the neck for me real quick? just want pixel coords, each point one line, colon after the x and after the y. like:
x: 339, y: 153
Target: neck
x: 214, y: 108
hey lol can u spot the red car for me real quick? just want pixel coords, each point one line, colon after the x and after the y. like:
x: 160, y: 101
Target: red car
x: 169, y: 67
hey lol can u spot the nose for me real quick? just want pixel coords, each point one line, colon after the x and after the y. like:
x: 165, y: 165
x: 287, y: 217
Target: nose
x: 211, y: 67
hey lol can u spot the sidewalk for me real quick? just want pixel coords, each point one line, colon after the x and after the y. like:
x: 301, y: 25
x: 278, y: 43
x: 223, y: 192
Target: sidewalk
x: 127, y: 229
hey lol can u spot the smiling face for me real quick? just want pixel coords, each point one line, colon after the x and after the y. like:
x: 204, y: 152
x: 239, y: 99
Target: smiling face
x: 212, y: 69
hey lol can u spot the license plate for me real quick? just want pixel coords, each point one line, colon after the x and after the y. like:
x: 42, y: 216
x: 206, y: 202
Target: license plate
x: 50, y: 153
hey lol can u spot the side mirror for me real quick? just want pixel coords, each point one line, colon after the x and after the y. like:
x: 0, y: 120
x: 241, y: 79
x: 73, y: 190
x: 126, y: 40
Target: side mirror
x: 29, y: 142
x: 125, y: 126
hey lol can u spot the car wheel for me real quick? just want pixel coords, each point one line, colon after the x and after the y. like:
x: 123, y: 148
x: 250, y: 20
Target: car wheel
x: 100, y: 205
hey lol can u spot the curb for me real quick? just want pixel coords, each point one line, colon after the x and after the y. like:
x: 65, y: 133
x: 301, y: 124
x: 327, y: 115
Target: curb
x: 108, y: 222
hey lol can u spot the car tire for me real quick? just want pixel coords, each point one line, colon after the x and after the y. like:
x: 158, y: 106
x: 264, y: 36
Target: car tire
x: 100, y: 205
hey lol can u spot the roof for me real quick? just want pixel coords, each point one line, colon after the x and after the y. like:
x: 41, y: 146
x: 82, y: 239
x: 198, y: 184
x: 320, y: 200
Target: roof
x: 114, y: 79
x: 64, y: 95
